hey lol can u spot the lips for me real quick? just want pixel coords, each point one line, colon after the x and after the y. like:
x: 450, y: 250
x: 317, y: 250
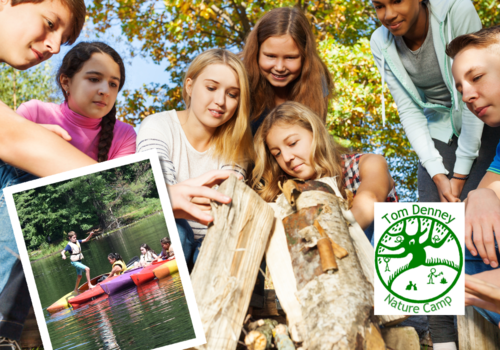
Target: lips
x: 280, y: 76
x: 100, y: 104
x: 297, y: 167
x: 481, y: 111
x: 216, y: 113
x: 37, y: 54
x: 395, y: 26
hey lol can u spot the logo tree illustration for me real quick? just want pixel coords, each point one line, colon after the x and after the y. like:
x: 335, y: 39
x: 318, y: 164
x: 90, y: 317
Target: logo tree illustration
x: 428, y: 234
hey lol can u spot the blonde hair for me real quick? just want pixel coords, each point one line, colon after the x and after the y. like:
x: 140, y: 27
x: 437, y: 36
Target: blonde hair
x: 325, y: 152
x: 231, y: 141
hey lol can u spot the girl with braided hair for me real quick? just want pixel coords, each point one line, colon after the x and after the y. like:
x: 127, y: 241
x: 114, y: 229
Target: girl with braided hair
x: 90, y: 77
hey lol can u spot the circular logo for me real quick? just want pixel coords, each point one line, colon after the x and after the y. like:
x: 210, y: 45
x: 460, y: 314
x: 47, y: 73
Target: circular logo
x: 418, y: 259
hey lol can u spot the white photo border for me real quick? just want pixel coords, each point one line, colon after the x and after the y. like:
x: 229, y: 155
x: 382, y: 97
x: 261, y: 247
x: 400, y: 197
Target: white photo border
x: 152, y: 156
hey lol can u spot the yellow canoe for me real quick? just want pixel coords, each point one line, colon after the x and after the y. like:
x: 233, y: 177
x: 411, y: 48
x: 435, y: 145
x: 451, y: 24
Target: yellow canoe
x: 166, y: 269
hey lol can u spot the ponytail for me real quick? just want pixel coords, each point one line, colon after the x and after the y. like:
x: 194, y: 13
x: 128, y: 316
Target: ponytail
x: 115, y: 256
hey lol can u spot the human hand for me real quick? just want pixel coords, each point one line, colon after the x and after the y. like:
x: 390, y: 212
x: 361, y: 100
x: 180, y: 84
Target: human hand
x: 444, y: 188
x: 56, y: 129
x: 457, y: 185
x: 182, y: 194
x: 64, y: 257
x: 482, y: 217
x: 482, y: 294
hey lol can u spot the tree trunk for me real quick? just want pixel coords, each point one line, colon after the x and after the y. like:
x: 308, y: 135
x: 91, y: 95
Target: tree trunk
x: 226, y: 269
x: 475, y: 332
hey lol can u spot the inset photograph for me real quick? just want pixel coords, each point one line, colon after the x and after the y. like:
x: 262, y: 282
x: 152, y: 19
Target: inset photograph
x: 98, y: 252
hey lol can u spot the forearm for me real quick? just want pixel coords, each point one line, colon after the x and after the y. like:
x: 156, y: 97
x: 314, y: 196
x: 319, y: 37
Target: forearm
x: 31, y: 147
x: 363, y: 208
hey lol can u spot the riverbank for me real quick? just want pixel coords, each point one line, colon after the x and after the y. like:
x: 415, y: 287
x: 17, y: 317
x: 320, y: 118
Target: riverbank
x: 126, y: 220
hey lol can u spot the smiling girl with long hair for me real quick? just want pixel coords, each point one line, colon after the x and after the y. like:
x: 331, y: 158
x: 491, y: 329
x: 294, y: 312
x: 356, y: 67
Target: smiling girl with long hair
x: 283, y: 64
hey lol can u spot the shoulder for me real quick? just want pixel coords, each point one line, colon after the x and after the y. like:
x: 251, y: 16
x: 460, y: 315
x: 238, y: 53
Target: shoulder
x: 372, y: 160
x: 166, y: 118
x: 378, y: 38
x: 32, y: 109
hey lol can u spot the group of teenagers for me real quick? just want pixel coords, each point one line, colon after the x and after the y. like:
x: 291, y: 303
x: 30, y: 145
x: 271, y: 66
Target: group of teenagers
x: 118, y: 265
x: 261, y: 115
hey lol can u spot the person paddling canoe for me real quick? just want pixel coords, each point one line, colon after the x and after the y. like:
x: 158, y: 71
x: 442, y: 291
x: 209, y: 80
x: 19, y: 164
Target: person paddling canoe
x: 74, y: 248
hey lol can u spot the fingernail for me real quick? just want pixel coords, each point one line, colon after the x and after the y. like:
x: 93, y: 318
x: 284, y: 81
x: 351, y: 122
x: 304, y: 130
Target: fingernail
x: 486, y: 261
x: 494, y: 264
x: 474, y: 253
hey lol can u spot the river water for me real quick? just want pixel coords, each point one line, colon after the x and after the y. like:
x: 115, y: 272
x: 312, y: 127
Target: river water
x: 146, y: 317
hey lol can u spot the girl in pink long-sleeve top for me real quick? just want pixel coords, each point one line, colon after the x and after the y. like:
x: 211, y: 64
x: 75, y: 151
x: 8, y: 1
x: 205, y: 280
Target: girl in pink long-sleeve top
x: 91, y: 75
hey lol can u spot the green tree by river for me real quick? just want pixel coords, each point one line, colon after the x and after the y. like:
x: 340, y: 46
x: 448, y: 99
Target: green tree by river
x: 106, y: 200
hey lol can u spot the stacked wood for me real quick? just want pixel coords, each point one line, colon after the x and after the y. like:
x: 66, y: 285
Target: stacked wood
x: 226, y: 269
x: 475, y: 332
x: 325, y: 311
x: 30, y: 338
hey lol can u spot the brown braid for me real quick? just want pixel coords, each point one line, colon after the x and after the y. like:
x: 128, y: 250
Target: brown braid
x: 106, y: 135
x: 73, y: 63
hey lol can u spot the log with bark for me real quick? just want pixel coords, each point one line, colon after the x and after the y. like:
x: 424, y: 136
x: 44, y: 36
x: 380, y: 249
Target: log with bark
x: 325, y: 311
x: 226, y: 269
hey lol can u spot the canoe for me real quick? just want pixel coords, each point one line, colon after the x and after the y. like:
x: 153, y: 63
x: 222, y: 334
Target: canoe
x: 147, y: 273
x: 63, y: 302
x: 166, y: 269
x: 121, y: 282
x: 90, y: 294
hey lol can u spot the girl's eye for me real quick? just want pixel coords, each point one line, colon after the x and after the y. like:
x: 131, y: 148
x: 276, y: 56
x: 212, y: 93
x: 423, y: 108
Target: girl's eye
x: 276, y: 155
x: 294, y: 143
x: 232, y: 95
x: 210, y: 88
x: 51, y: 25
x: 93, y: 80
x: 271, y: 56
x: 113, y: 85
x: 476, y: 78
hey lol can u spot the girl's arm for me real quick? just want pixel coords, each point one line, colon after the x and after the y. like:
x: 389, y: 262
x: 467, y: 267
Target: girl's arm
x: 376, y: 183
x: 30, y: 147
x: 115, y: 271
x: 465, y: 20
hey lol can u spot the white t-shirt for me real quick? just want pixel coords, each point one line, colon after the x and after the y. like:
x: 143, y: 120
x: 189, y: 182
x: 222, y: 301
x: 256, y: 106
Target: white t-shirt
x: 179, y: 160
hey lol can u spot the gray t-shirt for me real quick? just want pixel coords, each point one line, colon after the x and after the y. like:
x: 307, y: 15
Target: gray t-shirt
x: 423, y: 68
x: 179, y: 160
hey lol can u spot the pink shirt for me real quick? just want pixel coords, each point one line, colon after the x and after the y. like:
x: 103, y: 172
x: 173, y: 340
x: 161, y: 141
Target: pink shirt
x: 84, y: 131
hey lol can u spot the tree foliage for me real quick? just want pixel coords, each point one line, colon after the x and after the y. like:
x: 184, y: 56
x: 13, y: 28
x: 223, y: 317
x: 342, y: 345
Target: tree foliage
x: 17, y: 87
x: 175, y: 31
x: 82, y: 203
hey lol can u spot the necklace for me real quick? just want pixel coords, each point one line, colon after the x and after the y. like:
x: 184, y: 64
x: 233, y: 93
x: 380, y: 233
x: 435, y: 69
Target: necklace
x: 417, y: 51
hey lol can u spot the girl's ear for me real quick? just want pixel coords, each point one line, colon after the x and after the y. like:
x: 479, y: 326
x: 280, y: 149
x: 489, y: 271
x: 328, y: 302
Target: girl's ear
x: 189, y: 86
x: 64, y: 80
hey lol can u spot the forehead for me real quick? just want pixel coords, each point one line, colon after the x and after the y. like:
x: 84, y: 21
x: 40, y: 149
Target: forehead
x: 219, y: 73
x: 101, y: 63
x: 283, y: 44
x: 58, y: 10
x: 280, y: 131
x: 470, y: 58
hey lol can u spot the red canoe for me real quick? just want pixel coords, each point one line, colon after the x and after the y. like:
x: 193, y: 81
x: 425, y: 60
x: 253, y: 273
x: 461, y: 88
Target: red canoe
x: 90, y: 294
x: 147, y: 273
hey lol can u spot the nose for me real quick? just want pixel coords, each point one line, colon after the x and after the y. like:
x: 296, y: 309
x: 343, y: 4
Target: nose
x: 220, y: 97
x: 280, y: 66
x: 53, y: 43
x: 390, y: 14
x: 287, y: 156
x: 469, y: 94
x: 104, y: 88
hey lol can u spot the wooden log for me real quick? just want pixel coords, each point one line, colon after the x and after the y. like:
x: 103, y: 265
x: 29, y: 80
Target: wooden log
x: 276, y: 254
x: 30, y: 337
x: 227, y: 266
x: 475, y: 332
x: 401, y: 338
x: 345, y: 293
